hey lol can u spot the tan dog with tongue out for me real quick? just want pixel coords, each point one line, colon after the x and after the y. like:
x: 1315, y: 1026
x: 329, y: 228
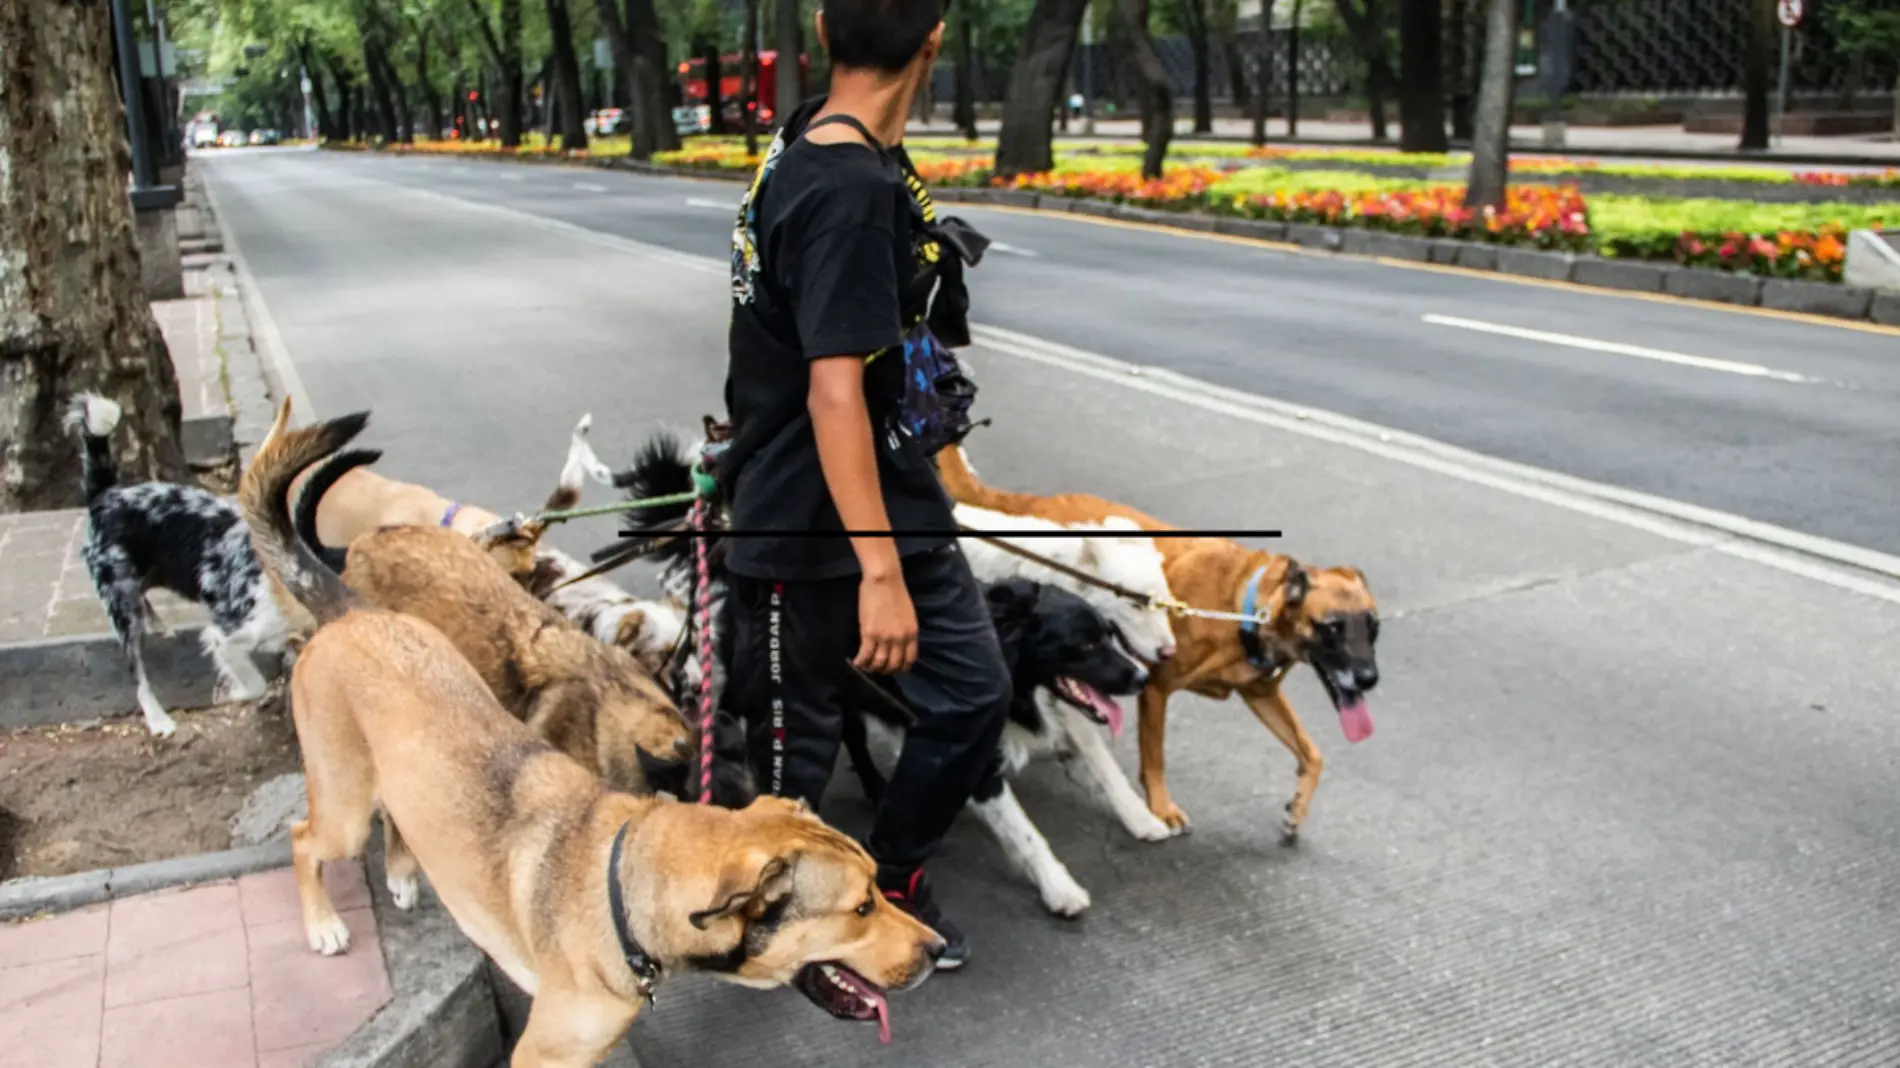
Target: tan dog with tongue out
x: 1325, y: 617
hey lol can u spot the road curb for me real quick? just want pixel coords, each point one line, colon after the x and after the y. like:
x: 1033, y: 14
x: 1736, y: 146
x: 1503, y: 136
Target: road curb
x: 86, y: 677
x: 20, y: 898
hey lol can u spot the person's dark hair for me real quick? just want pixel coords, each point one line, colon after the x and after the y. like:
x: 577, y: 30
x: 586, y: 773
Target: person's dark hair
x: 883, y: 34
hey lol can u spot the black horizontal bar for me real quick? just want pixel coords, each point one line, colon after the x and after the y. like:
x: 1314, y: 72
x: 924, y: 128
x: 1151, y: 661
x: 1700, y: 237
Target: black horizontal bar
x: 963, y: 534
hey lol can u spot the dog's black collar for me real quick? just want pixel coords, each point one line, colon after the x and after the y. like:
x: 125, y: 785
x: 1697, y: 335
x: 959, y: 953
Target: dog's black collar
x: 646, y: 970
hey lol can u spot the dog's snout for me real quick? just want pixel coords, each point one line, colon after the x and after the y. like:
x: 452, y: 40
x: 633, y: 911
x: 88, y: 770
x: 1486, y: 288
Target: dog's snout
x: 1166, y: 654
x: 935, y: 949
x: 683, y: 748
x: 1366, y: 675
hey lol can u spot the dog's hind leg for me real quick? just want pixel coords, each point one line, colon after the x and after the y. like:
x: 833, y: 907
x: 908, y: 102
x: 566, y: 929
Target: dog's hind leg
x: 1270, y: 708
x: 232, y: 654
x: 399, y: 867
x: 125, y: 609
x: 1096, y: 756
x: 996, y: 805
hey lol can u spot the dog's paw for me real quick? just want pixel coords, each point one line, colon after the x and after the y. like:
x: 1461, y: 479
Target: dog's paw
x: 1289, y: 827
x: 329, y: 937
x: 161, y: 725
x: 404, y: 892
x: 1174, y: 816
x: 1065, y: 898
x: 1148, y: 827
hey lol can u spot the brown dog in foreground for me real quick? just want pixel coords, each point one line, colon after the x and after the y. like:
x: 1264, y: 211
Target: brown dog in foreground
x: 585, y: 897
x: 591, y: 700
x: 1325, y: 617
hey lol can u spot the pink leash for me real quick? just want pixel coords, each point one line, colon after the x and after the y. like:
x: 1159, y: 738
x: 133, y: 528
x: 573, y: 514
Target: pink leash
x: 702, y: 597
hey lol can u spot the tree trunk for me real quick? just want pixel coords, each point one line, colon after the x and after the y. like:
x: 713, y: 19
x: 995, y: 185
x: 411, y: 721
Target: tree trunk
x: 1755, y: 75
x: 1491, y: 144
x: 347, y: 104
x: 1422, y: 88
x: 788, y: 39
x: 1199, y: 46
x: 1025, y: 145
x: 567, y: 78
x: 1368, y: 31
x: 1263, y: 59
x: 1236, y: 68
x: 510, y: 74
x: 1458, y: 62
x: 1157, y: 100
x: 326, y: 125
x: 379, y: 90
x: 749, y: 110
x: 430, y: 96
x: 964, y: 113
x: 715, y: 89
x: 405, y: 118
x: 1293, y: 72
x: 640, y: 56
x: 73, y: 312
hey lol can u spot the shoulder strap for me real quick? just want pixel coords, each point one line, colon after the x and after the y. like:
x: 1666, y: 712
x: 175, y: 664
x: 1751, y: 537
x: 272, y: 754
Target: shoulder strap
x: 847, y: 120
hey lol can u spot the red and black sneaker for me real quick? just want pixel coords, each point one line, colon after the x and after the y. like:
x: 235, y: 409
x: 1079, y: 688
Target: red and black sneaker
x: 910, y: 891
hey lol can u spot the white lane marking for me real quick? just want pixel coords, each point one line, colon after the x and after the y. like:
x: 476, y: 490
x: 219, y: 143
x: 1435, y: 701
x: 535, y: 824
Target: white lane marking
x: 715, y: 205
x: 1786, y: 550
x: 506, y: 177
x: 1753, y: 370
x: 1014, y: 250
x: 589, y: 187
x: 1777, y: 547
x: 277, y: 362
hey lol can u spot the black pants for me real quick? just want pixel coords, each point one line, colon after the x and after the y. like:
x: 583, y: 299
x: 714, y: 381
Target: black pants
x: 789, y: 675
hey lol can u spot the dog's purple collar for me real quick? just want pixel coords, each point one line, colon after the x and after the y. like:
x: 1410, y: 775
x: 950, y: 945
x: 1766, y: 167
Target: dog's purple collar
x: 448, y: 517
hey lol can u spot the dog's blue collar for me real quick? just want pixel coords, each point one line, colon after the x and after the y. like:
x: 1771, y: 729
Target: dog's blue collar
x: 1258, y: 653
x: 448, y: 517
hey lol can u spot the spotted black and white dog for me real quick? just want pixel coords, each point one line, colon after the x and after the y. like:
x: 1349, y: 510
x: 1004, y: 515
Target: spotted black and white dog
x: 162, y: 535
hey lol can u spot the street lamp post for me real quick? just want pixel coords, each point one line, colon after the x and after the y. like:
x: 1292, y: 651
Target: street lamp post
x: 146, y: 194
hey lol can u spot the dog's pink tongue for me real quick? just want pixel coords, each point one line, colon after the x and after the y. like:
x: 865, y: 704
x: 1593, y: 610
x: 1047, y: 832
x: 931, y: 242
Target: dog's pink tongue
x: 1110, y: 710
x: 883, y: 1010
x: 1355, y: 720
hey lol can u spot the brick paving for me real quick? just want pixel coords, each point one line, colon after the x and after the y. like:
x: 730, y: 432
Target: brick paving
x: 216, y: 975
x: 45, y: 591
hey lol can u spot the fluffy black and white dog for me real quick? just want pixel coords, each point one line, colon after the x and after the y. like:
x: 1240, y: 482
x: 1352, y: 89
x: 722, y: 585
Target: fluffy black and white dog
x: 162, y: 535
x: 1068, y: 665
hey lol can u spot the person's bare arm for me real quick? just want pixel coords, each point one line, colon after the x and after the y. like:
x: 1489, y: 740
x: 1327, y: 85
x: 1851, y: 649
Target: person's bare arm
x: 847, y: 451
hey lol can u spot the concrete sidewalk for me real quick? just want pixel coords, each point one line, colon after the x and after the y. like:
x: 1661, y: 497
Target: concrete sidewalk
x: 216, y: 976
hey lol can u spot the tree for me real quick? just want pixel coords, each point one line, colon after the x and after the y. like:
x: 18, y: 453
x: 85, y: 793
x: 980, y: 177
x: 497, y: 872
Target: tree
x: 640, y: 55
x: 1193, y: 17
x: 789, y: 40
x: 1421, y: 78
x: 504, y: 52
x: 1458, y: 62
x: 1293, y: 72
x: 73, y: 312
x: 1865, y: 30
x: 1368, y: 32
x: 750, y: 117
x: 567, y: 78
x: 1225, y: 15
x: 431, y: 95
x: 1157, y: 99
x: 1491, y: 142
x: 964, y: 111
x: 1026, y: 142
x: 1263, y: 62
x: 1755, y: 77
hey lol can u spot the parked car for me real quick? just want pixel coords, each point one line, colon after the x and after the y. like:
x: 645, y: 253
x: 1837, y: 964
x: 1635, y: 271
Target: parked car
x: 231, y: 139
x: 204, y: 135
x: 264, y: 137
x: 608, y: 121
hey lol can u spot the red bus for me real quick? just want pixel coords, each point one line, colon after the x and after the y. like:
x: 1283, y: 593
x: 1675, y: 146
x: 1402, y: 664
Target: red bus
x: 695, y: 114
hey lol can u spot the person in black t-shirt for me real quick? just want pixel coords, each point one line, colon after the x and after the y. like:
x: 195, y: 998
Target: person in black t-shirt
x: 835, y: 256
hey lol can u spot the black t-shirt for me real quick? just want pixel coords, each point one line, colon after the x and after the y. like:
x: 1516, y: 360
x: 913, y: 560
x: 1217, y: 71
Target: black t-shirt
x: 827, y: 261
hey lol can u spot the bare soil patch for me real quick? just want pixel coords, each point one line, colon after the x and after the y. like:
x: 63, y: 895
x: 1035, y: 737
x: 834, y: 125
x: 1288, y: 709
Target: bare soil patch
x: 76, y: 798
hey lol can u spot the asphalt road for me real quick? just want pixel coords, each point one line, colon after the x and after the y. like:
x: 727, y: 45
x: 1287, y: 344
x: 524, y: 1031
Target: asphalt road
x: 1398, y: 346
x: 1630, y: 800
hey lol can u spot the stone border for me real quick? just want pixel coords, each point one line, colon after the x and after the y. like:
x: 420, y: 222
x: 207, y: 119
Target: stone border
x: 83, y: 678
x: 20, y: 898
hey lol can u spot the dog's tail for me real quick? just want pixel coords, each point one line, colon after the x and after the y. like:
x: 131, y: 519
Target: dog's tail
x: 960, y: 482
x: 582, y: 464
x: 263, y: 498
x: 321, y: 481
x: 94, y: 418
x: 662, y: 468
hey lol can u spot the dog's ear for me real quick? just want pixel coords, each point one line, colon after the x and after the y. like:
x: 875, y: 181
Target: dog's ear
x: 1358, y: 575
x: 1294, y: 587
x: 750, y: 880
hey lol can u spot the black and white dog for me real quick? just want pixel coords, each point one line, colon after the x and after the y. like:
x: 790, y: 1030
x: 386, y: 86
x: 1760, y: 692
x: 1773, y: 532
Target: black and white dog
x: 162, y: 535
x: 1069, y: 664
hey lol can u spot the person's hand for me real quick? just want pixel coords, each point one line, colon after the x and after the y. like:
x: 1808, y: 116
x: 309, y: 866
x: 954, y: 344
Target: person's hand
x: 887, y: 625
